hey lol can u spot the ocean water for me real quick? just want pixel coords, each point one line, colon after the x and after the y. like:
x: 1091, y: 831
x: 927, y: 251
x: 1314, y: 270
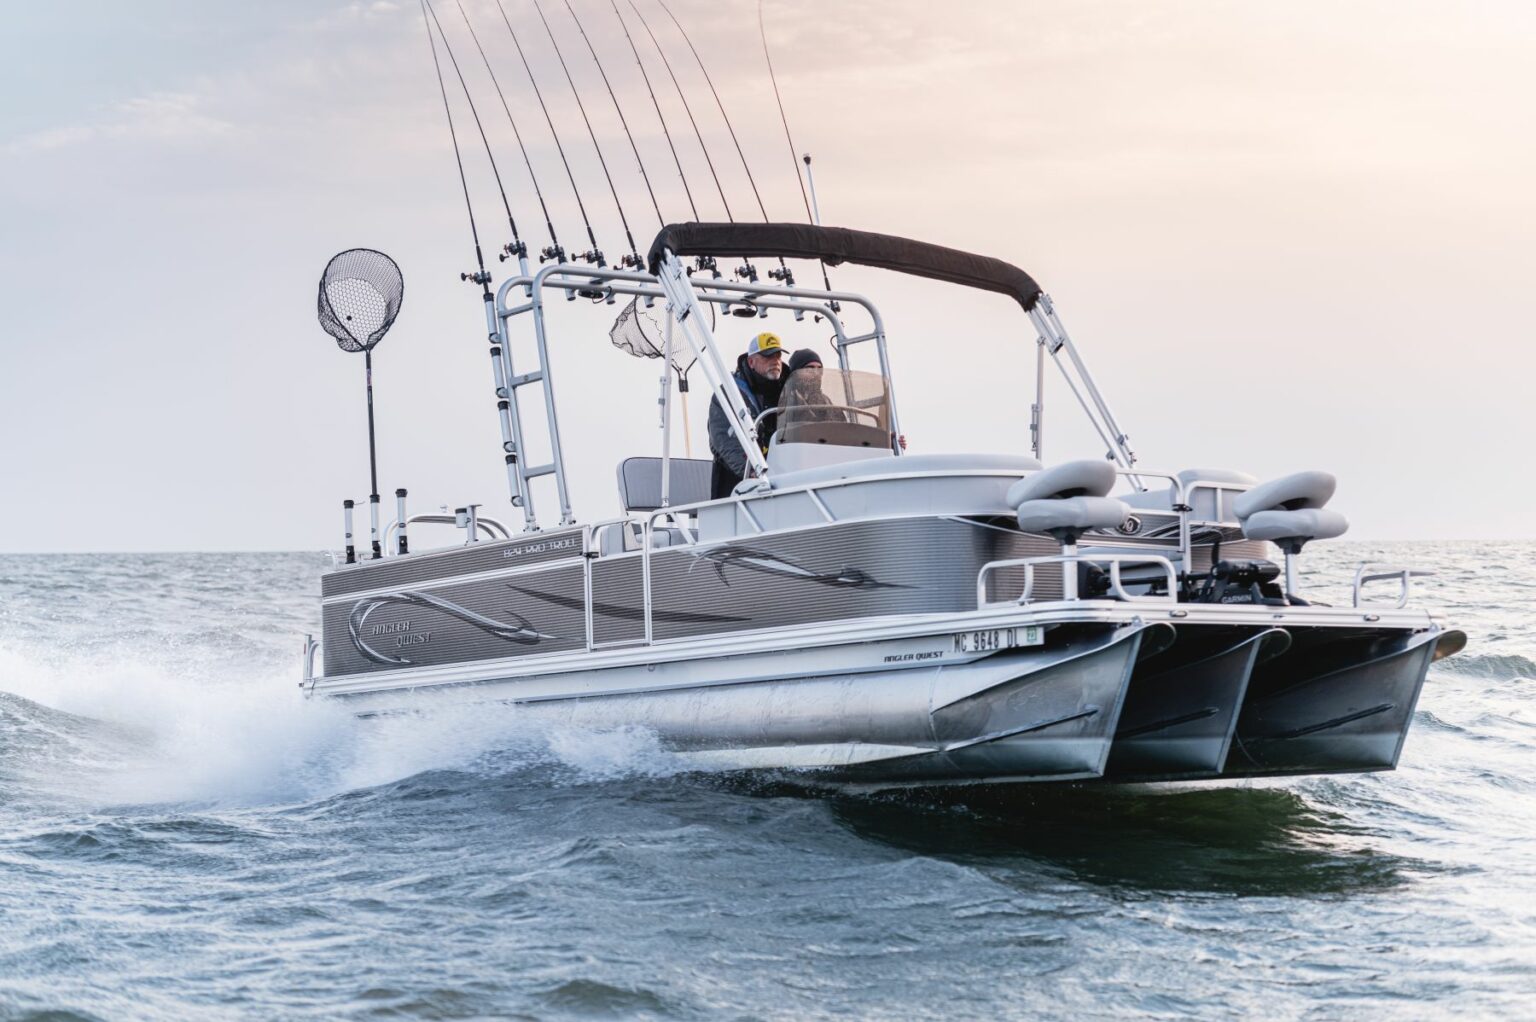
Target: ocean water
x: 182, y: 836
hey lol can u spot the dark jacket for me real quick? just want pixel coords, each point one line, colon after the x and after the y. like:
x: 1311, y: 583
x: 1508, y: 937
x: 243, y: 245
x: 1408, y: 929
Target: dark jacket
x: 759, y: 393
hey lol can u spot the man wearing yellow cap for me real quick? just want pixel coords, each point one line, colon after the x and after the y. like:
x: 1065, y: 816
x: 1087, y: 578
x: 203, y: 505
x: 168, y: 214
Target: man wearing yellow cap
x: 759, y: 376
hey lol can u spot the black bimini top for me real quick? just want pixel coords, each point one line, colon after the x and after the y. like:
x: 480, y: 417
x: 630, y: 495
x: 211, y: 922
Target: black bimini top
x: 835, y: 245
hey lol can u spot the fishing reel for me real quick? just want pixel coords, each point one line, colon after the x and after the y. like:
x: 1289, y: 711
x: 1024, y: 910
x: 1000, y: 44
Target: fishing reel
x: 513, y: 249
x: 482, y: 278
x: 554, y: 253
x: 747, y: 272
x: 785, y: 274
x: 707, y: 264
x: 631, y: 261
x: 594, y: 256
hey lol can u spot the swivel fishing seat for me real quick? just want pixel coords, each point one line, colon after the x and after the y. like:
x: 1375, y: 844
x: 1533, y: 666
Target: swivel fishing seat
x: 1289, y: 512
x: 1064, y: 502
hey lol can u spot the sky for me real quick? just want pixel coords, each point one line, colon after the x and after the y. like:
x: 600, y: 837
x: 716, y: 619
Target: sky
x: 1284, y: 237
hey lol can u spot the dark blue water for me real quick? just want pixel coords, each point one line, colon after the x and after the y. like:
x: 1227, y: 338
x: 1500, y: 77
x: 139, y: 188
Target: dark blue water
x: 183, y: 837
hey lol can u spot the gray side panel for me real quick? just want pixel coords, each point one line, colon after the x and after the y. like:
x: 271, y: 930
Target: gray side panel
x: 467, y: 560
x: 836, y: 572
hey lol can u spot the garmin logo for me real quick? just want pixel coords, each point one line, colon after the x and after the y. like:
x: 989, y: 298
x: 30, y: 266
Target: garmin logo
x: 1130, y: 527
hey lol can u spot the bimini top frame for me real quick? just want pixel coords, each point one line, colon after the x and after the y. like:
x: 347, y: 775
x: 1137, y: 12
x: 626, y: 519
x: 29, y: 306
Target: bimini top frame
x: 685, y: 296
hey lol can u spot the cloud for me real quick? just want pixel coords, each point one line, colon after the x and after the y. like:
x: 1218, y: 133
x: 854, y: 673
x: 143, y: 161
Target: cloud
x: 158, y: 116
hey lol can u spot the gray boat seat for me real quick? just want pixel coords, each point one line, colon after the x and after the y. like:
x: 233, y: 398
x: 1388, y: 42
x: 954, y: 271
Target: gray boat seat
x: 1294, y: 528
x: 1289, y: 511
x: 1071, y: 515
x: 640, y: 483
x: 1067, y: 500
x: 1288, y: 493
x: 1070, y: 479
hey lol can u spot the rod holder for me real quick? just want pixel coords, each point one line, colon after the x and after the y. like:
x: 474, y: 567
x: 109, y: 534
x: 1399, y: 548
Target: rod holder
x: 346, y: 513
x: 373, y: 525
x: 402, y: 546
x: 468, y: 519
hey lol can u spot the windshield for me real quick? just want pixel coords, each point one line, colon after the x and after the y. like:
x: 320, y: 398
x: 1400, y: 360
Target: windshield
x: 834, y: 406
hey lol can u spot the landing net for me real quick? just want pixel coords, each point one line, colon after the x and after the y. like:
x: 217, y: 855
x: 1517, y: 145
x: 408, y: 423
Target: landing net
x: 360, y: 294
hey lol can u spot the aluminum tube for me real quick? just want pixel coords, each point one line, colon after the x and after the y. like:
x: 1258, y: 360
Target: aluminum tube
x: 402, y: 545
x: 553, y: 419
x: 373, y: 525
x: 686, y: 309
x: 346, y: 513
x: 511, y: 449
x: 666, y: 416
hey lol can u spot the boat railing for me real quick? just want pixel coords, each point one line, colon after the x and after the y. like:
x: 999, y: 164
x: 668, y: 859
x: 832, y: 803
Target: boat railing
x: 680, y: 524
x: 1369, y: 572
x: 1116, y: 582
x: 311, y: 648
x: 492, y: 528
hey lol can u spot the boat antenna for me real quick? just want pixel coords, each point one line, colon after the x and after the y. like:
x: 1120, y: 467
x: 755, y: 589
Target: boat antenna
x: 657, y: 104
x: 517, y: 248
x: 360, y: 295
x: 633, y: 258
x: 783, y: 272
x: 458, y: 156
x: 554, y: 251
x: 661, y: 220
x: 762, y: 30
x: 594, y: 254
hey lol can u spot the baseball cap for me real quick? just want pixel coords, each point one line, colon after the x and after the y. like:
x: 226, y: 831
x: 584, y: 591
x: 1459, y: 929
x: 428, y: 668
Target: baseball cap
x: 765, y: 343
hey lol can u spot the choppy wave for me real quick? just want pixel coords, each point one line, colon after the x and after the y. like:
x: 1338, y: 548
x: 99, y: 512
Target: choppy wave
x: 183, y: 835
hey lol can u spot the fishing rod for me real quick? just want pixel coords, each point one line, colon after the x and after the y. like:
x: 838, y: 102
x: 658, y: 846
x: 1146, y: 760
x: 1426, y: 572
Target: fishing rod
x: 517, y: 248
x: 632, y: 260
x: 594, y: 254
x: 703, y: 262
x: 783, y: 273
x: 657, y: 104
x: 458, y: 155
x: 509, y: 446
x: 554, y: 251
x: 661, y: 220
x: 762, y: 31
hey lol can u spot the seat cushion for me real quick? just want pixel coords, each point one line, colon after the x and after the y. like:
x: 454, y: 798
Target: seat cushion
x: 1070, y: 479
x: 1076, y: 513
x: 1288, y: 493
x: 1303, y: 524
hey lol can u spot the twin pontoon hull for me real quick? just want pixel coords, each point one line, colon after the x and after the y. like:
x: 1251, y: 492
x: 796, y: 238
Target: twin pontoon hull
x: 1122, y: 703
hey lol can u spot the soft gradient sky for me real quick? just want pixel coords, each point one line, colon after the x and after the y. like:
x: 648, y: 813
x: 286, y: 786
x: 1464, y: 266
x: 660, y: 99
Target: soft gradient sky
x: 1285, y: 236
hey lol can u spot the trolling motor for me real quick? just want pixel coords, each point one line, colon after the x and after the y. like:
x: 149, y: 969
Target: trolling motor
x: 360, y: 295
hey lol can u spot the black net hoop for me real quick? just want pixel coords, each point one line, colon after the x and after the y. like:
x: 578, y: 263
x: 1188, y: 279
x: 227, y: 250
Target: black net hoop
x: 360, y: 295
x: 638, y: 332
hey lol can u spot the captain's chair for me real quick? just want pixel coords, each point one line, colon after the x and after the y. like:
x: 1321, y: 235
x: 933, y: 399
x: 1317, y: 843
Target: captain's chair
x: 640, y: 483
x: 640, y: 490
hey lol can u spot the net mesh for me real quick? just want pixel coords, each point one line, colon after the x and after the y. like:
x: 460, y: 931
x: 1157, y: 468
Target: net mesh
x: 360, y: 294
x: 637, y: 331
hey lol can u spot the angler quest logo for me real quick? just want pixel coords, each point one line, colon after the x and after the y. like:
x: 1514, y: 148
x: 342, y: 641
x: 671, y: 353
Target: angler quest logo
x: 401, y: 633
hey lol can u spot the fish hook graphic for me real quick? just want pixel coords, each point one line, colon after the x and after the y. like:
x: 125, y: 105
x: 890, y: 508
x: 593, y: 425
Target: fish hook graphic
x: 521, y: 630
